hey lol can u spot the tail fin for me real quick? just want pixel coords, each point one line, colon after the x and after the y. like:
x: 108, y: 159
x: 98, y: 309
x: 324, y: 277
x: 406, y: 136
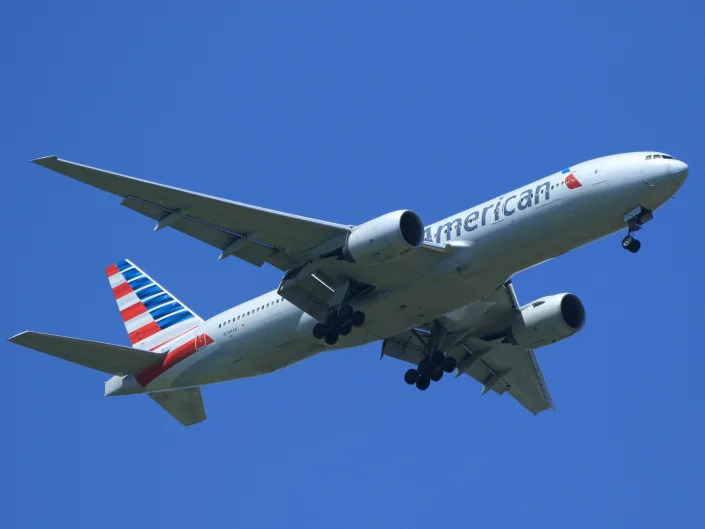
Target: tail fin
x: 152, y: 316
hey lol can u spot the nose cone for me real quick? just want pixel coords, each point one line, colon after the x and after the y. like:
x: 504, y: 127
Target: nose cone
x: 679, y: 171
x: 664, y: 176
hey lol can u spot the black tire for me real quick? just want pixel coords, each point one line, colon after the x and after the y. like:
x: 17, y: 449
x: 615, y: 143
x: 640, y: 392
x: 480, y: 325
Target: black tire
x: 411, y: 376
x: 345, y: 314
x: 345, y: 329
x: 423, y: 382
x: 437, y: 359
x: 358, y: 318
x: 332, y: 337
x: 320, y: 330
x: 332, y: 320
x: 436, y: 375
x: 635, y: 246
x: 627, y: 242
x: 425, y: 366
x: 449, y: 364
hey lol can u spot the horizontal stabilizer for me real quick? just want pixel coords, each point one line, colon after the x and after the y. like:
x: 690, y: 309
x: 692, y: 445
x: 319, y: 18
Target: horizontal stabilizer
x: 185, y: 405
x: 113, y: 359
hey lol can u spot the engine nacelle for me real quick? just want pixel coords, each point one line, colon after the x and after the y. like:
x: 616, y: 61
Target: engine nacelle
x: 385, y: 238
x: 548, y: 320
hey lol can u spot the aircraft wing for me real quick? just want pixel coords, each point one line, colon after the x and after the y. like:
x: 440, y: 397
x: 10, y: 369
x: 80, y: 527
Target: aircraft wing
x: 477, y: 340
x: 255, y: 234
x: 304, y: 247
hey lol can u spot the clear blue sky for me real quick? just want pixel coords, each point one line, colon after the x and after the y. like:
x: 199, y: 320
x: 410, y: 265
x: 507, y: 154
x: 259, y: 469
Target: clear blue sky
x: 345, y: 112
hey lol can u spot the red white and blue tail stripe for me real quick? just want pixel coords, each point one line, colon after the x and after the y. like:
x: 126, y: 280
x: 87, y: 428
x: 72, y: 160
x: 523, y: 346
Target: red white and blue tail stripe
x: 152, y: 316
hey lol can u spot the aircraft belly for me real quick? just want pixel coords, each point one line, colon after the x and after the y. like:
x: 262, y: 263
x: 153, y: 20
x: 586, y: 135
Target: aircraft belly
x: 257, y: 348
x: 419, y: 302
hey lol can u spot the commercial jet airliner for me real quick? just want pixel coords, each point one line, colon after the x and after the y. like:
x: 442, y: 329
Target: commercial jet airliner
x: 439, y: 296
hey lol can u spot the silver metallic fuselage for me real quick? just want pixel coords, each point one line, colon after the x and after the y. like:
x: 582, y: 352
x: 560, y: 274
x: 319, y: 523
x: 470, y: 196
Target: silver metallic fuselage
x: 487, y: 244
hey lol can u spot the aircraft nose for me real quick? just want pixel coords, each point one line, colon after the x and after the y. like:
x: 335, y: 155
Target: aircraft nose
x: 679, y: 170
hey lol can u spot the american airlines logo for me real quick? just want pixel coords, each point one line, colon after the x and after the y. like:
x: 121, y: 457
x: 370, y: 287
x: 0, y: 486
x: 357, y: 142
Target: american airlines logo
x: 495, y: 211
x: 572, y: 182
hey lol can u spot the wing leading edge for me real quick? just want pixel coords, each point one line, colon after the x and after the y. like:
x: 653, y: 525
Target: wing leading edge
x: 254, y: 234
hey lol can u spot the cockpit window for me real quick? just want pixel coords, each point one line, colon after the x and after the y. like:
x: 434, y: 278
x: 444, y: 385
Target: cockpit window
x: 657, y: 156
x: 648, y: 157
x: 667, y: 157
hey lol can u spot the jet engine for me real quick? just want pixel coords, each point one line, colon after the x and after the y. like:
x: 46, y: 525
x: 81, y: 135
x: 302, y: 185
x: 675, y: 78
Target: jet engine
x: 385, y: 238
x: 548, y: 320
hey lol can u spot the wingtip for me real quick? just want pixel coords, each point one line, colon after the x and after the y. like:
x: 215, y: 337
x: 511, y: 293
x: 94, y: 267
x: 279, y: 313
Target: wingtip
x: 44, y: 160
x: 17, y: 337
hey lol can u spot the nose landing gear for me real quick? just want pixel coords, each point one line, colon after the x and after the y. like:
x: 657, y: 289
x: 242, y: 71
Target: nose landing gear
x: 631, y: 244
x: 636, y: 218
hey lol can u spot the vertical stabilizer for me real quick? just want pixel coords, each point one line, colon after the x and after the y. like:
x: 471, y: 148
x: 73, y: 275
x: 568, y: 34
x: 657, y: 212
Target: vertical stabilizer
x: 152, y: 316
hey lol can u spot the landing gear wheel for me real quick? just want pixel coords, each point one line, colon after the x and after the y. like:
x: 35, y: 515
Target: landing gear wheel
x: 345, y: 329
x: 345, y: 313
x: 631, y: 244
x: 437, y: 359
x: 411, y: 376
x: 436, y: 375
x: 423, y: 382
x: 332, y: 337
x: 449, y: 364
x: 358, y: 318
x: 320, y: 330
x: 425, y: 366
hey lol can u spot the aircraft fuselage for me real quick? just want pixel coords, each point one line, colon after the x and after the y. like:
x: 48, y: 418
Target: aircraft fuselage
x: 486, y: 245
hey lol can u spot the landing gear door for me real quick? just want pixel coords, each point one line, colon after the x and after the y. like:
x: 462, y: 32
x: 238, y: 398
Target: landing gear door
x: 200, y: 338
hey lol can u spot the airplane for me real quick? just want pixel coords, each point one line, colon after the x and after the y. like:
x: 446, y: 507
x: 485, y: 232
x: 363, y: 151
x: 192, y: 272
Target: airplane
x: 440, y: 297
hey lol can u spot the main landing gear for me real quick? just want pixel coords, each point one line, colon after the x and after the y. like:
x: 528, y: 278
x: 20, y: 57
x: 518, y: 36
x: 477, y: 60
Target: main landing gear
x: 340, y: 322
x: 431, y: 368
x: 636, y: 218
x: 434, y: 362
